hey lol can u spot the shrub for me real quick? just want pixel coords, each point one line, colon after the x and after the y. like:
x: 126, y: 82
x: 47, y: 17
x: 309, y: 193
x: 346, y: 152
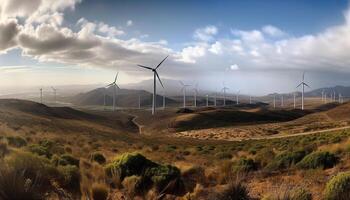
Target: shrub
x: 318, y: 160
x: 98, y: 157
x: 3, y: 149
x: 99, y: 192
x: 285, y: 160
x: 245, y: 165
x: 134, y: 185
x: 39, y: 150
x: 70, y: 176
x: 13, y: 185
x: 338, y: 188
x: 16, y: 141
x: 223, y: 155
x: 300, y: 194
x: 264, y: 157
x: 193, y: 176
x: 130, y: 164
x: 67, y: 159
x: 234, y: 191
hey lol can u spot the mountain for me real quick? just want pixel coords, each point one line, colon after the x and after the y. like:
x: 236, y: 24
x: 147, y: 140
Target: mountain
x: 344, y: 90
x: 124, y: 98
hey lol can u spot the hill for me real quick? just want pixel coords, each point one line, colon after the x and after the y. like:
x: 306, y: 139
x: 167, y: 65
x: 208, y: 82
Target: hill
x: 124, y: 98
x: 35, y: 117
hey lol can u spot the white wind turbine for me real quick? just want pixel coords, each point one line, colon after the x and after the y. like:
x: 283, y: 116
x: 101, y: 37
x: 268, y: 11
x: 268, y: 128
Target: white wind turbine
x: 155, y: 76
x: 322, y: 98
x: 237, y: 96
x: 303, y: 84
x: 274, y: 101
x: 282, y: 103
x: 224, y: 90
x: 115, y: 87
x: 55, y: 93
x: 183, y: 89
x: 294, y: 100
x: 41, y: 95
x: 207, y: 103
x: 195, y: 93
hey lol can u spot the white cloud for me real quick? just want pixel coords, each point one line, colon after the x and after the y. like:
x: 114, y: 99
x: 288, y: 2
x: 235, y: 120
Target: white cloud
x: 129, y: 23
x: 234, y: 67
x: 273, y: 31
x: 191, y: 53
x: 205, y: 34
x: 111, y: 31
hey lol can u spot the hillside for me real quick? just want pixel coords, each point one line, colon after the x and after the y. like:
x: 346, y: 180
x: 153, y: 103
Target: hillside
x: 35, y: 117
x: 125, y: 98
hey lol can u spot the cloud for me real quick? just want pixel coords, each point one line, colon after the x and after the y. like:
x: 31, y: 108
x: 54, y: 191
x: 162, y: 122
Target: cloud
x: 129, y: 23
x: 273, y: 31
x: 111, y: 31
x: 8, y: 33
x: 206, y: 33
x: 234, y: 67
x: 191, y: 53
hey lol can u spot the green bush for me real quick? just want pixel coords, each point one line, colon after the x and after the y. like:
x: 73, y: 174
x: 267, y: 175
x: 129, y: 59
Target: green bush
x: 338, y: 188
x: 318, y: 160
x: 16, y: 141
x: 245, y: 165
x: 98, y: 157
x: 67, y: 159
x: 285, y: 160
x: 39, y: 150
x: 135, y: 164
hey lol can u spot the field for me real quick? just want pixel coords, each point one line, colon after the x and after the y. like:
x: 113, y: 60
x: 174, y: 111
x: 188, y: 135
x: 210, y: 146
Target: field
x: 246, y: 152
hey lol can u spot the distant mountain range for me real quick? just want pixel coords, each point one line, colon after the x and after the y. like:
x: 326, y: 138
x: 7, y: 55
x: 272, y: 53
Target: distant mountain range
x: 124, y: 98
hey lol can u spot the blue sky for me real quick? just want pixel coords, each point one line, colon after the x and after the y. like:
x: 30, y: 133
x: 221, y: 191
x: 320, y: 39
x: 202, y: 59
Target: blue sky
x: 266, y: 42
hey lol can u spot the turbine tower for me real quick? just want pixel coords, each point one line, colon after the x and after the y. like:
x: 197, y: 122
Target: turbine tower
x: 207, y: 100
x: 282, y: 105
x: 237, y: 96
x: 322, y: 99
x: 183, y: 89
x: 294, y: 99
x: 250, y: 99
x: 274, y: 101
x: 224, y: 90
x: 303, y: 84
x: 155, y: 76
x: 54, y: 92
x: 195, y: 90
x: 41, y: 95
x: 115, y: 86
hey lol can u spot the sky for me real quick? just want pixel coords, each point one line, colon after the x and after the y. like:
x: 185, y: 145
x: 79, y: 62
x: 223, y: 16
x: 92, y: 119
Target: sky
x: 254, y: 46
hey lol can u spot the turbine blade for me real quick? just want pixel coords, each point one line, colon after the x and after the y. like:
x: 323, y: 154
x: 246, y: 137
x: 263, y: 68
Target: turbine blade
x: 116, y: 76
x: 307, y: 85
x: 162, y: 62
x: 159, y: 78
x: 299, y: 84
x: 145, y: 67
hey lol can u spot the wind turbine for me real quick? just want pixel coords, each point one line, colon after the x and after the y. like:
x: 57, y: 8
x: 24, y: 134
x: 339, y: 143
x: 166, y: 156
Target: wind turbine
x: 294, y: 99
x: 54, y: 92
x: 322, y: 99
x: 163, y: 99
x: 303, y: 84
x: 183, y: 89
x: 215, y: 95
x: 195, y: 90
x: 250, y: 99
x: 155, y: 74
x: 207, y: 100
x: 274, y: 101
x: 237, y: 96
x: 282, y: 105
x: 41, y: 95
x: 224, y: 90
x: 115, y: 86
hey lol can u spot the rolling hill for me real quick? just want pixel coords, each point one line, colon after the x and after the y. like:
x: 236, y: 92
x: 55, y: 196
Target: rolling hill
x: 125, y: 98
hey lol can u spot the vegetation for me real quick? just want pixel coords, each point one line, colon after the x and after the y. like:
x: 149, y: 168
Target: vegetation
x: 338, y: 188
x: 322, y: 160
